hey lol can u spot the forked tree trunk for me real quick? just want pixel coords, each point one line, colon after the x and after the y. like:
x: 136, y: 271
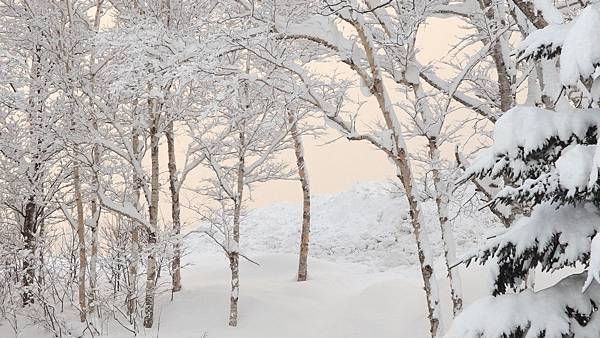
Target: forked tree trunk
x: 234, y: 256
x: 175, y: 209
x: 304, y: 182
x: 81, y: 244
x: 423, y: 247
x: 399, y: 156
x: 153, y: 213
x: 442, y: 201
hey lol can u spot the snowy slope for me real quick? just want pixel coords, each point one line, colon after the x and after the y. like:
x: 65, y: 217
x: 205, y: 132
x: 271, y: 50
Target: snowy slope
x: 367, y: 224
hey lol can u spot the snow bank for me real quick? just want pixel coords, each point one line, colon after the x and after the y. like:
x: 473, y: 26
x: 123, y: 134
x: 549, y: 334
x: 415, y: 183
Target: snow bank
x: 367, y: 224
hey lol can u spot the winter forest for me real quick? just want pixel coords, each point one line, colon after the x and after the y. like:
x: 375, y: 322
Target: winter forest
x: 168, y: 168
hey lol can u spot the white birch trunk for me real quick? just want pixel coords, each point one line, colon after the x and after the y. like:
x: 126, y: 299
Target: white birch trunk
x: 175, y: 209
x: 81, y: 245
x: 442, y: 200
x: 153, y: 213
x: 399, y: 156
x: 233, y: 248
x: 305, y: 185
x: 135, y: 236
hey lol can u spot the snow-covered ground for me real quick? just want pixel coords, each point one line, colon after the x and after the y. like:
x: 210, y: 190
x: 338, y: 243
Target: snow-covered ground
x: 363, y: 278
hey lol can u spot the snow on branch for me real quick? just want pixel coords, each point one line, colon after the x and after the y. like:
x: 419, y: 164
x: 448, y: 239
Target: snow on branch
x: 551, y: 238
x: 520, y: 150
x: 556, y: 312
x: 575, y: 42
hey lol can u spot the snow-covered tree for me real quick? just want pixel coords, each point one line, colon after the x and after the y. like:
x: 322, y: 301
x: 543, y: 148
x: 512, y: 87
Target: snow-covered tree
x: 549, y: 159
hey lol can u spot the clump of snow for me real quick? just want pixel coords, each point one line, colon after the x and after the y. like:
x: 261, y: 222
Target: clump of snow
x: 581, y: 51
x: 531, y: 127
x: 576, y: 41
x: 546, y: 40
x: 574, y: 167
x: 594, y: 268
x: 550, y: 13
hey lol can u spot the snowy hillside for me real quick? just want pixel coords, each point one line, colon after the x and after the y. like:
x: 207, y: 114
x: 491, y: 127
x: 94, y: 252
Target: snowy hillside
x: 368, y: 224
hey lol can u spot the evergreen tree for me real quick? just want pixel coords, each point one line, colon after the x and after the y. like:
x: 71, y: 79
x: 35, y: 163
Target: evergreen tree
x: 549, y: 160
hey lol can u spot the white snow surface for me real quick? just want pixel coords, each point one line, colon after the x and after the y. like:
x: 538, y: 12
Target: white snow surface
x: 363, y: 277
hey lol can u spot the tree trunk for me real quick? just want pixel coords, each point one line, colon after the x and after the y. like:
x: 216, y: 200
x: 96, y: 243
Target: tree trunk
x: 304, y: 182
x: 233, y: 248
x: 153, y: 213
x: 398, y: 155
x: 135, y: 235
x: 505, y: 80
x: 234, y: 259
x: 81, y: 244
x: 95, y: 208
x: 175, y: 211
x: 423, y: 248
x: 442, y: 201
x: 29, y: 229
x: 95, y: 211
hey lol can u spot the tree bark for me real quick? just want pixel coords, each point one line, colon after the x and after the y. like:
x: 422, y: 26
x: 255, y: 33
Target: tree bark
x: 233, y: 248
x: 442, y: 200
x: 505, y: 80
x: 29, y: 230
x: 153, y: 213
x: 135, y: 236
x: 95, y: 211
x: 528, y: 9
x: 304, y: 183
x: 175, y: 209
x: 81, y: 244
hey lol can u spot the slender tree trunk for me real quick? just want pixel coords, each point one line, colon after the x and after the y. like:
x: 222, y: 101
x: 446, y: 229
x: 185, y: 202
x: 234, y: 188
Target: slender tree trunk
x: 304, y: 182
x: 234, y: 247
x: 153, y: 213
x: 81, y: 244
x: 29, y: 229
x: 399, y: 156
x: 423, y: 248
x: 94, y: 205
x: 175, y: 211
x: 505, y: 79
x: 135, y: 236
x: 442, y: 200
